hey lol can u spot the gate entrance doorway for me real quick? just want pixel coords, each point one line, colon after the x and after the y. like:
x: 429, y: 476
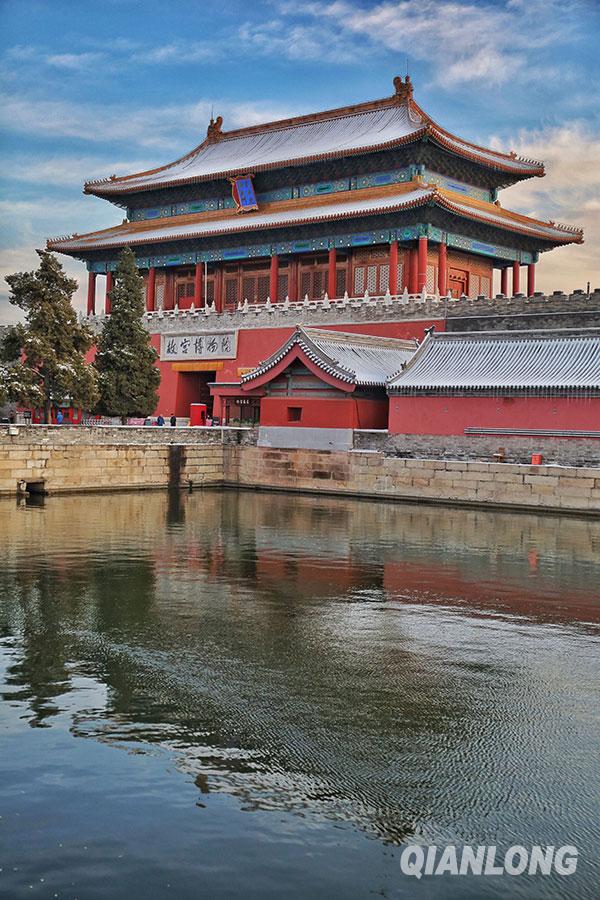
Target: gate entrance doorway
x: 192, y: 387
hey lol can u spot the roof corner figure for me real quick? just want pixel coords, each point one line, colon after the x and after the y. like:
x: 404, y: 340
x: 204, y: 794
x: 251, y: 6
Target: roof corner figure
x: 213, y: 132
x: 404, y: 89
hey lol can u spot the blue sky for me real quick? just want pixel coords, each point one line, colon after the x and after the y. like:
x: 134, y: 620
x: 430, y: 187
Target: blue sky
x: 102, y: 86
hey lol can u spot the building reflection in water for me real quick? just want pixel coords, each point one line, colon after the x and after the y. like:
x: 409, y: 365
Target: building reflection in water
x: 299, y: 653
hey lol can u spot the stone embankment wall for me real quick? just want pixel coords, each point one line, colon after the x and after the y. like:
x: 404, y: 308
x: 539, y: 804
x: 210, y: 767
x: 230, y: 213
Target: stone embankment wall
x: 62, y: 460
x: 63, y: 435
x: 481, y: 448
x: 57, y: 466
x: 371, y: 474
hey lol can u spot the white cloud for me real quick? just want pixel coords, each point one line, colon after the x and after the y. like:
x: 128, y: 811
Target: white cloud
x: 23, y: 258
x: 120, y: 54
x: 175, y: 127
x: 178, y: 53
x: 569, y: 193
x: 67, y: 170
x: 463, y: 40
x: 300, y: 42
x: 76, y: 62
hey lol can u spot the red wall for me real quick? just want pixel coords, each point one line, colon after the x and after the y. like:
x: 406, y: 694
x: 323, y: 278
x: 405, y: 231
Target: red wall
x: 318, y: 412
x: 256, y: 344
x: 451, y: 415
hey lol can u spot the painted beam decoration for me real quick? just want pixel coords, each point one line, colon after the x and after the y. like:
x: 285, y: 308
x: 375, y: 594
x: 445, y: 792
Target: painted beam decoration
x: 243, y: 194
x: 177, y: 347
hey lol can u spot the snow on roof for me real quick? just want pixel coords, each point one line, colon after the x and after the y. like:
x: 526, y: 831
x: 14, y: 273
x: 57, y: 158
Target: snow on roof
x: 348, y: 204
x: 481, y: 361
x: 503, y: 217
x: 357, y: 359
x: 362, y: 128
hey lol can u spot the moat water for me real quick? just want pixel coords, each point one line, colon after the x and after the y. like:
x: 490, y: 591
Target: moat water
x: 225, y: 694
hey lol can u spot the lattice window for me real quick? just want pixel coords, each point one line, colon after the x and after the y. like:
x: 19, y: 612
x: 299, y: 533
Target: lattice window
x: 248, y: 288
x: 184, y: 289
x: 231, y: 291
x: 370, y: 253
x: 304, y: 284
x: 319, y: 284
x: 372, y: 279
x: 340, y: 282
x: 159, y: 296
x: 485, y: 286
x: 262, y: 288
x: 400, y: 277
x: 210, y: 291
x: 359, y: 281
x: 474, y: 285
x: 430, y: 279
x: 384, y: 279
x: 282, y: 287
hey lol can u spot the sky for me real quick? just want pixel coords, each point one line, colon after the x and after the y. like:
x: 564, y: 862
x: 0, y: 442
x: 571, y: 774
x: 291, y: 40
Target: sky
x: 94, y: 87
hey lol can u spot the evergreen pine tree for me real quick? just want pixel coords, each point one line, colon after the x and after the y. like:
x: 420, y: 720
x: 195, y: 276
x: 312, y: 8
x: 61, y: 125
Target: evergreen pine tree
x: 51, y: 368
x: 18, y: 383
x: 127, y: 375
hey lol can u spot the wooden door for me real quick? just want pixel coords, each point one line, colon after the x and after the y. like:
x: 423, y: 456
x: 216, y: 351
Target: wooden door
x: 458, y: 282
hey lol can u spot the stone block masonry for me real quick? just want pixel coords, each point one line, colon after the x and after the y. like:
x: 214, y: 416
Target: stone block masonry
x: 367, y: 473
x: 215, y: 459
x: 60, y: 468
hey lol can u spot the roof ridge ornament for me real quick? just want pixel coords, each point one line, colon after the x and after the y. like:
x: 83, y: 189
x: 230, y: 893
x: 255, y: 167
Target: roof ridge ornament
x: 213, y: 132
x: 403, y: 88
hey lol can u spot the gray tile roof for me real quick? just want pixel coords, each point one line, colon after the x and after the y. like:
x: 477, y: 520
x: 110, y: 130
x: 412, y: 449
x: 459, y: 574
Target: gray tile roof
x: 358, y: 359
x: 539, y: 362
x: 361, y: 128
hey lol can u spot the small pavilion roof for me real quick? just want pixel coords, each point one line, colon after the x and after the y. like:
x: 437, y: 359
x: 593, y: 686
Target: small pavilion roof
x: 356, y: 359
x: 349, y: 130
x: 344, y: 205
x: 541, y: 361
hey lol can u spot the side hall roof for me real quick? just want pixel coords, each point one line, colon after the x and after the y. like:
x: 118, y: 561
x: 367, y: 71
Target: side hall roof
x: 349, y: 130
x: 356, y: 359
x: 344, y: 205
x: 540, y: 361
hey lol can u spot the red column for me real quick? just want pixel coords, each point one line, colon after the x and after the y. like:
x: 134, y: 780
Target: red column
x: 273, y: 278
x: 422, y: 264
x: 198, y: 285
x: 393, y: 281
x: 91, y: 294
x: 293, y: 280
x: 413, y: 274
x: 109, y: 286
x: 151, y: 289
x: 516, y: 274
x: 219, y: 288
x: 169, y: 289
x: 530, y: 279
x: 331, y: 272
x: 504, y: 281
x: 442, y: 279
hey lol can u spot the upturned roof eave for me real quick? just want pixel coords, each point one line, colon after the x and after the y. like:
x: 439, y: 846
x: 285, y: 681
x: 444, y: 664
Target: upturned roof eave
x: 431, y: 194
x: 227, y: 173
x: 491, y: 159
x: 104, y: 190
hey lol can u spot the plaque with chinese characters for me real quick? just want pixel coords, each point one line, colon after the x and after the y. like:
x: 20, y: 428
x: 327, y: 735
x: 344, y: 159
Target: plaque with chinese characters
x: 243, y: 194
x: 217, y: 345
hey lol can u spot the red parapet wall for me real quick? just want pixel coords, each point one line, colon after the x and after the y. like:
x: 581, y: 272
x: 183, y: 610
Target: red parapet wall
x: 309, y: 412
x: 451, y: 415
x: 254, y: 345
